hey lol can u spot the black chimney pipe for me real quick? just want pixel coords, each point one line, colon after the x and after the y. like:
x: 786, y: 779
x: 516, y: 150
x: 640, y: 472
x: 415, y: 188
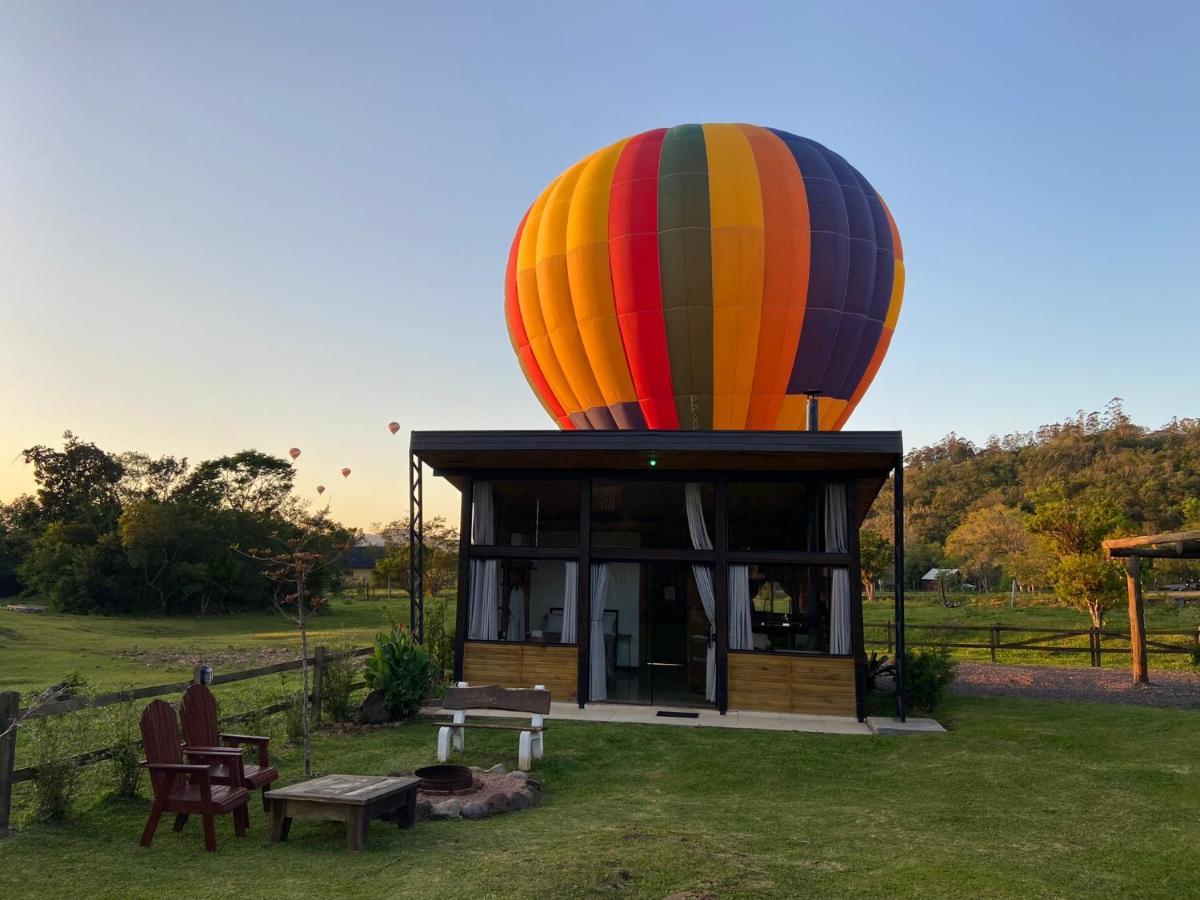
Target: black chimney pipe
x: 814, y: 410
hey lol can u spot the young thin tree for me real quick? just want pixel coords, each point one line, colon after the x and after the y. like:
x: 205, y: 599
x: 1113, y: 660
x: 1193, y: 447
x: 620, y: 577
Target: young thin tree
x: 298, y: 565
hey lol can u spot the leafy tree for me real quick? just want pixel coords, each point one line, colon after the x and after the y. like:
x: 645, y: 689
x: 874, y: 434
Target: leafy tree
x: 988, y: 538
x: 296, y: 562
x: 77, y: 484
x: 171, y: 545
x: 1076, y: 526
x: 146, y: 478
x: 441, y: 555
x: 249, y: 481
x: 876, y: 560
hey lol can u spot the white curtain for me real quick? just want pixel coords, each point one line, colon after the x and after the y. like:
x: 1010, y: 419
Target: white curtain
x: 741, y: 636
x: 570, y: 602
x: 704, y: 582
x: 483, y: 613
x: 835, y: 542
x: 516, y: 614
x: 598, y: 658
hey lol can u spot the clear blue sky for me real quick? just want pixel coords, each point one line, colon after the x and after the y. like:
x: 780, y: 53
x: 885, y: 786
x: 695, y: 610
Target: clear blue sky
x: 273, y: 224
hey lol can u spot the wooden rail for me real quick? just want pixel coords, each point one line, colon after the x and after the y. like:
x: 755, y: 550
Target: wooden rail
x: 11, y: 716
x: 1038, y: 640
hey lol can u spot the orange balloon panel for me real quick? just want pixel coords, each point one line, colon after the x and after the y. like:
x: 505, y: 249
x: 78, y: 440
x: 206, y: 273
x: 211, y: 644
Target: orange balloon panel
x: 704, y: 277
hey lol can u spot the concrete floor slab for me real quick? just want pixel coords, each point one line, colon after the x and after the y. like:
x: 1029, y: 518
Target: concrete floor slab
x: 885, y: 726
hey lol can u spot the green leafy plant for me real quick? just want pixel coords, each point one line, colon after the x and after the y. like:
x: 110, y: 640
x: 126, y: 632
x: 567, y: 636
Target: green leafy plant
x: 125, y: 772
x: 439, y: 640
x: 337, y: 684
x: 293, y: 719
x: 401, y: 670
x: 927, y: 675
x: 56, y: 740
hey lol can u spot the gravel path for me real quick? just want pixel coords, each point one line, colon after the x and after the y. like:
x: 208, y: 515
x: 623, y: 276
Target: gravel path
x: 1175, y: 689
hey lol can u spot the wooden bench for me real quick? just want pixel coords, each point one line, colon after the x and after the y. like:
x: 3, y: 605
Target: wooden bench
x: 535, y: 701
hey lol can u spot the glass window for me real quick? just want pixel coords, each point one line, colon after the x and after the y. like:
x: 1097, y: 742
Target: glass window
x: 652, y: 514
x: 790, y: 605
x: 521, y: 513
x: 772, y: 515
x: 523, y: 600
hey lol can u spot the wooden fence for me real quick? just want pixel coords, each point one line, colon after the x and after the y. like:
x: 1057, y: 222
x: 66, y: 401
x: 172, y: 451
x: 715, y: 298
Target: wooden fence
x: 1036, y: 640
x: 11, y: 715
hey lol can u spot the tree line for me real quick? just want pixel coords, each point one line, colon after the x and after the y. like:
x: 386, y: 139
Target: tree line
x: 131, y: 533
x: 1032, y: 508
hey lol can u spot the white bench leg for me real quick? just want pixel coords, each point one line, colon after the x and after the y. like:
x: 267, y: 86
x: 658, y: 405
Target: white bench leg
x: 460, y: 734
x: 524, y: 751
x: 443, y: 744
x: 538, y: 721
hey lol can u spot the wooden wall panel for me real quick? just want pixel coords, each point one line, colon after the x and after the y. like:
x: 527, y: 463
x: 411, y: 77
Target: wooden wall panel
x: 555, y: 667
x: 779, y: 682
x: 522, y: 665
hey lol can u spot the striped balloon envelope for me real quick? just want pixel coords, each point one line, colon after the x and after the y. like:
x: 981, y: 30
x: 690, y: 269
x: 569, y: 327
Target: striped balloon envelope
x: 704, y: 277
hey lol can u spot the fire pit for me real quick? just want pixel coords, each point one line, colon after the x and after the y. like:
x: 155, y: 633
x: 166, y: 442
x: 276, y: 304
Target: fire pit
x: 445, y: 780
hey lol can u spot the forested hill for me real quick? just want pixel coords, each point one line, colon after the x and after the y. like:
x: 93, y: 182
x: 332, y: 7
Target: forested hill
x: 1151, y: 475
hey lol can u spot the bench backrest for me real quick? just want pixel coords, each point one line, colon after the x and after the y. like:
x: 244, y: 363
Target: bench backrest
x: 493, y: 696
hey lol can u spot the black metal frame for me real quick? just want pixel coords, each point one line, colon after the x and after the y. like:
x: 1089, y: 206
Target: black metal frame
x: 416, y: 546
x: 898, y: 536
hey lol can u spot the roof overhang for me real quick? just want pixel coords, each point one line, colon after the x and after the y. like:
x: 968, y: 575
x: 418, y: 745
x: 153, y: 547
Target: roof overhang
x: 867, y: 456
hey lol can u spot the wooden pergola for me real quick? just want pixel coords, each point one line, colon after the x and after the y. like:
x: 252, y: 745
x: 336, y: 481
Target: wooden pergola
x: 1171, y: 545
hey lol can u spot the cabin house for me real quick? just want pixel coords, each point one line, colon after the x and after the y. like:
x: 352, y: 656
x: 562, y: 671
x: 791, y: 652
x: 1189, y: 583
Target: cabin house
x: 667, y: 568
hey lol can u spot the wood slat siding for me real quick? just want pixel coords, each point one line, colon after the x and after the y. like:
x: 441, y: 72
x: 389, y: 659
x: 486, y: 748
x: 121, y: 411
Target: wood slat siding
x: 777, y: 682
x: 522, y: 666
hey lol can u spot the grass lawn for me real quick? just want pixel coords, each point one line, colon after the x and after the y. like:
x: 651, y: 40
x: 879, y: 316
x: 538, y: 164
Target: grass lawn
x: 1021, y: 798
x: 111, y: 652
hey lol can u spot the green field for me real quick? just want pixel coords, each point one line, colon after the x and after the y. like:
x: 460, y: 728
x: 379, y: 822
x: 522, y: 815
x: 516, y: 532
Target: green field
x: 111, y: 652
x: 1021, y: 798
x: 1041, y: 612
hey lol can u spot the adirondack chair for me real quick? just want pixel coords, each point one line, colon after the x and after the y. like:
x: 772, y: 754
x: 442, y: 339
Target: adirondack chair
x: 200, y: 729
x: 187, y: 788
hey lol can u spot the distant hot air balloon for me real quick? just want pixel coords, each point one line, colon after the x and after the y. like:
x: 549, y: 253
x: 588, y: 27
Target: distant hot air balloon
x: 704, y: 277
x: 320, y: 488
x: 345, y: 473
x: 393, y: 427
x: 294, y: 452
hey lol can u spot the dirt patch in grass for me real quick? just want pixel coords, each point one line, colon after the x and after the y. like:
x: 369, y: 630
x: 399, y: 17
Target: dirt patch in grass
x: 1179, y: 690
x: 222, y: 660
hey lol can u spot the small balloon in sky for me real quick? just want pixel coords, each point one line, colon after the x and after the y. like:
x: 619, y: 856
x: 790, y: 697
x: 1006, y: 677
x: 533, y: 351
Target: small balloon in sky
x: 345, y: 473
x: 393, y: 427
x: 294, y: 452
x: 320, y: 488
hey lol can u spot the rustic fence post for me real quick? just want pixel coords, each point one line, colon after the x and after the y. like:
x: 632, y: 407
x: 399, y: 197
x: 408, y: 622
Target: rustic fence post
x: 995, y: 638
x: 9, y: 701
x: 318, y: 676
x: 888, y: 628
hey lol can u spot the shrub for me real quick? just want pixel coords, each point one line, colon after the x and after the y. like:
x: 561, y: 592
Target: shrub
x: 439, y: 640
x: 337, y: 684
x: 401, y: 670
x: 56, y: 740
x: 927, y: 675
x: 293, y: 718
x: 125, y: 771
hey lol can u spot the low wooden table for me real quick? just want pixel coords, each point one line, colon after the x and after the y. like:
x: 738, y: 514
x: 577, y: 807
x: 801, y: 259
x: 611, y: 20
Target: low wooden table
x: 353, y: 799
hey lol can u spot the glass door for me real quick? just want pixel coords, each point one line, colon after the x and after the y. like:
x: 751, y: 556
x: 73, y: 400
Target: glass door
x: 659, y: 638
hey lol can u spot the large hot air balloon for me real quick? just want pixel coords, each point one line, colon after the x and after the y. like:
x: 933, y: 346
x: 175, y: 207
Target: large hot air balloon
x: 704, y: 277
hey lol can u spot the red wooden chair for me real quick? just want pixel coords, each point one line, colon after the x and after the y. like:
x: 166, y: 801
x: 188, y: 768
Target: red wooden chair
x: 186, y: 788
x: 200, y: 729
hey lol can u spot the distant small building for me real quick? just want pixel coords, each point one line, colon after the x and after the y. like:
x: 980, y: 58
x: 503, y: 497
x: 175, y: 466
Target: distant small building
x: 952, y: 578
x: 359, y: 564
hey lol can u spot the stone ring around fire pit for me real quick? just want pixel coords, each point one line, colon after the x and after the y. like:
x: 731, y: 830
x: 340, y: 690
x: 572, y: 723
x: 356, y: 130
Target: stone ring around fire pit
x: 459, y: 792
